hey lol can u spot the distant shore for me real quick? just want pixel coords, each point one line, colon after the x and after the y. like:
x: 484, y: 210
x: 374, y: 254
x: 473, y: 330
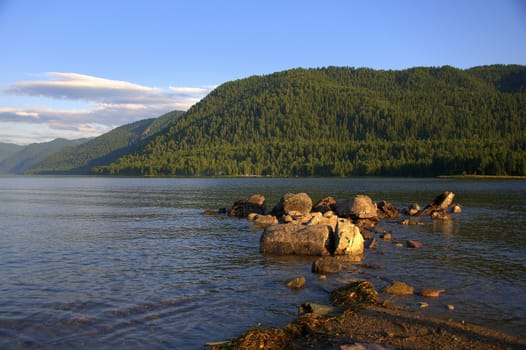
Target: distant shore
x: 483, y: 177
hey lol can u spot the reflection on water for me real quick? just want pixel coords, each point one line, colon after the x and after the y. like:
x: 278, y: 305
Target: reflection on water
x: 120, y: 263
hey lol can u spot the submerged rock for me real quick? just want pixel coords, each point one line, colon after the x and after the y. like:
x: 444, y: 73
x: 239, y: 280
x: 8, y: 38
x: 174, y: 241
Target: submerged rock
x: 399, y: 288
x: 431, y: 292
x: 297, y: 283
x: 327, y: 264
x: 411, y: 243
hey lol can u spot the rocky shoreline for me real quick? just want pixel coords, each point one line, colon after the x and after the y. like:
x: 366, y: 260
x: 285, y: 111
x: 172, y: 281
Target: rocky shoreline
x: 336, y: 234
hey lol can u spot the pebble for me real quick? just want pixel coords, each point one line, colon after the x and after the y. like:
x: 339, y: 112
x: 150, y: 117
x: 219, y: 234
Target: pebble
x: 423, y: 304
x: 411, y: 243
x: 451, y: 307
x: 297, y: 283
x: 431, y: 292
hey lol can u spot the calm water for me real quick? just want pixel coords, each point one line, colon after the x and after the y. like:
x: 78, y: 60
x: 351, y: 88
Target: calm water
x: 132, y: 263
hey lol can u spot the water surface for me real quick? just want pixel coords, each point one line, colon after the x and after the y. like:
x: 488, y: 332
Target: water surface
x: 130, y: 262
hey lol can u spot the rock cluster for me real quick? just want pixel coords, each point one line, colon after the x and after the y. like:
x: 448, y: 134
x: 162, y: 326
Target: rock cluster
x: 296, y: 226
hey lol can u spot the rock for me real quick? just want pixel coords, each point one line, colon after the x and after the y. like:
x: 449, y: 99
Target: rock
x: 297, y: 283
x: 431, y: 292
x: 413, y: 209
x: 320, y: 310
x: 252, y: 216
x: 327, y: 264
x: 346, y: 259
x: 359, y: 207
x: 441, y: 215
x: 318, y: 219
x: 324, y: 205
x: 440, y: 203
x: 371, y: 243
x: 386, y: 236
x: 299, y: 216
x: 296, y: 239
x: 211, y: 212
x: 451, y: 307
x: 355, y: 292
x: 399, y: 288
x: 299, y: 202
x: 253, y: 204
x: 366, y: 346
x: 265, y: 220
x: 411, y: 243
x: 387, y: 211
x: 456, y: 209
x: 423, y: 304
x: 410, y: 221
x: 347, y: 239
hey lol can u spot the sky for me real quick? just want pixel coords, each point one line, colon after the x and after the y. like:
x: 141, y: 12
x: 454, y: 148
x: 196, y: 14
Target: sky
x: 79, y: 68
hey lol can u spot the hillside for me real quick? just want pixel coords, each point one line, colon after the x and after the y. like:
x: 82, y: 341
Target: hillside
x: 346, y: 121
x: 106, y: 148
x: 32, y: 155
x: 8, y: 149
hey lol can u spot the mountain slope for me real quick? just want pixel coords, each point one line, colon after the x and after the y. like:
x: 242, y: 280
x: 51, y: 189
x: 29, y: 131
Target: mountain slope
x: 32, y: 155
x: 105, y: 148
x: 343, y: 121
x: 8, y: 149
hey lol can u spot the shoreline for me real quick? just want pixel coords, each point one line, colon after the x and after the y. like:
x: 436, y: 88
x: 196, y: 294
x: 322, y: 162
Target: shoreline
x: 370, y: 325
x: 483, y: 177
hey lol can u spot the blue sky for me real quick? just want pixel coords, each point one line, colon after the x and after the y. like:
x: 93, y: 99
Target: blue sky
x: 78, y: 68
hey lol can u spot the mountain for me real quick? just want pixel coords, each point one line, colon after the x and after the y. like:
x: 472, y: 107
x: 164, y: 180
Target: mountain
x: 344, y: 121
x: 79, y: 159
x: 8, y: 149
x: 32, y: 155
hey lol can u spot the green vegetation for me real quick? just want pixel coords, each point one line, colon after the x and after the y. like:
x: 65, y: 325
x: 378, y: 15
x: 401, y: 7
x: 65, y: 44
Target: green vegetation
x: 104, y: 149
x: 32, y: 155
x: 345, y: 122
x: 8, y: 149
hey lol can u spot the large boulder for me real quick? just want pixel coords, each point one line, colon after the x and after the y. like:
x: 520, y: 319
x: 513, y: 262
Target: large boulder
x: 293, y: 203
x: 252, y: 204
x: 358, y: 207
x: 347, y: 239
x: 296, y: 239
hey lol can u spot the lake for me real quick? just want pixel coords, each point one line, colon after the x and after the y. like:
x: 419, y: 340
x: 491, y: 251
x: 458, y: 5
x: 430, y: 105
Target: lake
x: 117, y: 263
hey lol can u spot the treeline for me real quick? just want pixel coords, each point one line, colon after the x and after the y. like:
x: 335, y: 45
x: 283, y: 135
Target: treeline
x: 346, y: 122
x: 102, y: 150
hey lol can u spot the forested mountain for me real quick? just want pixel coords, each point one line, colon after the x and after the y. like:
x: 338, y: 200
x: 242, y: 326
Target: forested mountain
x: 106, y: 148
x: 32, y: 155
x: 348, y: 121
x: 8, y: 149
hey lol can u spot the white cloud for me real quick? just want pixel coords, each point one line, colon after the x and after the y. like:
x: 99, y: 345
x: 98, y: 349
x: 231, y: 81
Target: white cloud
x: 188, y: 90
x: 110, y: 103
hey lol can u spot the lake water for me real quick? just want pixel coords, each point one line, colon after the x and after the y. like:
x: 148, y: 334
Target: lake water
x: 93, y: 262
